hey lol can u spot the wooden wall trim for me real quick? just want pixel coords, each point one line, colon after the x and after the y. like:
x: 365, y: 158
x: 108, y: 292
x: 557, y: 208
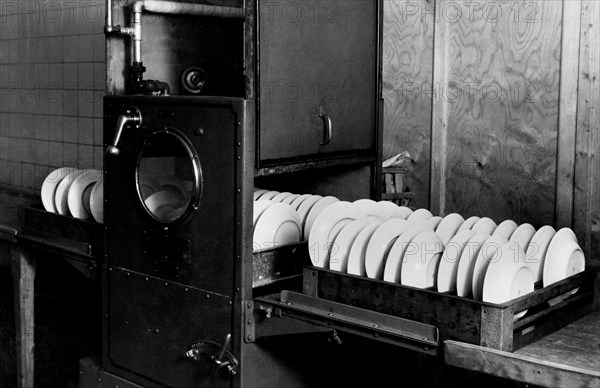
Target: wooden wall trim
x: 439, y: 119
x: 567, y: 116
x: 588, y: 123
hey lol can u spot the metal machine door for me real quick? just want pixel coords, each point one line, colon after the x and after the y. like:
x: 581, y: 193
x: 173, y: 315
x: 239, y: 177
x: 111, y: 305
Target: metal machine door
x: 171, y: 213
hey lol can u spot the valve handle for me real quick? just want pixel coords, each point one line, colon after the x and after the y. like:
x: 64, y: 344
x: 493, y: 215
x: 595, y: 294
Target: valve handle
x: 132, y: 116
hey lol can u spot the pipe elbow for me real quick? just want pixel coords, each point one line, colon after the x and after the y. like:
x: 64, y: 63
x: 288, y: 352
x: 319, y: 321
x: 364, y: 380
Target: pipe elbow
x: 138, y: 6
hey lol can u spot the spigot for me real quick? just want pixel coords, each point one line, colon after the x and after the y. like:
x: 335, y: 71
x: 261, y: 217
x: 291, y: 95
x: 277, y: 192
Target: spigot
x: 132, y: 116
x: 219, y: 354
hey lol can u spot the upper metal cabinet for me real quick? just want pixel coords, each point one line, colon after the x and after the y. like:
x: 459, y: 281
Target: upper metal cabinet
x: 318, y: 77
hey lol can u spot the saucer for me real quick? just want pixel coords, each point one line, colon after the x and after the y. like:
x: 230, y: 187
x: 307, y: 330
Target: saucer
x: 356, y: 257
x: 338, y: 259
x: 49, y: 187
x: 485, y: 255
x: 62, y: 192
x: 523, y: 235
x: 421, y: 259
x: 466, y: 264
x: 326, y: 228
x: 505, y: 228
x: 78, y: 198
x: 446, y: 280
x: 380, y: 244
x: 468, y: 224
x: 448, y: 227
x: 484, y: 225
x: 97, y: 201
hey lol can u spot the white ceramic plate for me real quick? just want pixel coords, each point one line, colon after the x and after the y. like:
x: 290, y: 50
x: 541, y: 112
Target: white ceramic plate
x: 298, y: 201
x: 468, y: 224
x: 484, y: 257
x: 97, y: 201
x: 484, y: 225
x: 421, y: 259
x: 435, y: 222
x: 507, y: 276
x: 373, y: 211
x: 466, y: 264
x: 338, y: 260
x: 523, y: 235
x: 174, y: 184
x: 148, y: 186
x: 62, y: 192
x: 563, y: 259
x: 281, y: 196
x: 537, y: 249
x: 304, y: 208
x: 78, y: 198
x: 356, y: 257
x: 380, y: 244
x: 50, y: 184
x: 314, y: 212
x: 449, y: 226
x: 392, y: 210
x: 166, y: 205
x: 268, y: 195
x: 290, y: 198
x: 278, y: 225
x: 419, y: 215
x: 446, y: 278
x: 326, y: 228
x: 423, y: 225
x: 258, y: 193
x: 393, y: 264
x: 259, y: 209
x: 506, y: 228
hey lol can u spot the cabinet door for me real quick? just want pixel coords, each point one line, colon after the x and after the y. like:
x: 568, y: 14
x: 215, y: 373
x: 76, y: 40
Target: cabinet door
x: 317, y: 58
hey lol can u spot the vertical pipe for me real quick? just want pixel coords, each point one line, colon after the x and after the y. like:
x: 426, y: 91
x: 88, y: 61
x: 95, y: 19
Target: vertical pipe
x: 137, y: 35
x: 108, y: 13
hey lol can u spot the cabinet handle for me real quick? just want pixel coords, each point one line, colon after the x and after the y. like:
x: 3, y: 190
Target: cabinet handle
x: 326, y: 129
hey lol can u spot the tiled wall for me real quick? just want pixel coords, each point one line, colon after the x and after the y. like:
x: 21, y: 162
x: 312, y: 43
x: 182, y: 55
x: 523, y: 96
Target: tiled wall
x: 52, y: 79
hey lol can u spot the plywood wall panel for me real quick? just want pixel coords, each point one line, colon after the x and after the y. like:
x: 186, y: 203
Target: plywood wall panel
x: 407, y: 79
x: 502, y: 111
x: 587, y: 164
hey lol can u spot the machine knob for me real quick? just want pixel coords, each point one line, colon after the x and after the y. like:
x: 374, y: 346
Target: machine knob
x: 132, y: 116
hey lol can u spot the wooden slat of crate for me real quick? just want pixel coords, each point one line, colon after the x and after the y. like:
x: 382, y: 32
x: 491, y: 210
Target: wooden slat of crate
x: 461, y: 319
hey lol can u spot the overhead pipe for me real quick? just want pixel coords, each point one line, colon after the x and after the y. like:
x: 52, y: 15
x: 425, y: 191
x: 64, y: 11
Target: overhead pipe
x: 162, y: 7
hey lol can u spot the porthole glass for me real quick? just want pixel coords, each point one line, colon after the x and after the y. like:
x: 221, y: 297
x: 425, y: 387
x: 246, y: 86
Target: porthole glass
x: 169, y: 181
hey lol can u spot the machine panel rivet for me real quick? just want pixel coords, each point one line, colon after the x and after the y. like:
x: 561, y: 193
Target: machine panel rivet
x: 249, y: 304
x: 187, y: 289
x: 250, y: 338
x: 207, y: 296
x: 199, y: 131
x: 166, y: 284
x: 156, y: 330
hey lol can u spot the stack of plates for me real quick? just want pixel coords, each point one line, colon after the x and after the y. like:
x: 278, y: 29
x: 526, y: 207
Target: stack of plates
x: 72, y: 192
x: 474, y: 257
x: 275, y: 224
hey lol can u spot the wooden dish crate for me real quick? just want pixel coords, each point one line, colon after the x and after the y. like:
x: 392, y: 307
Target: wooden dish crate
x: 463, y: 319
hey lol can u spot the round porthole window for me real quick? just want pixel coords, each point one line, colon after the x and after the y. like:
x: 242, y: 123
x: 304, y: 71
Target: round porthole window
x: 169, y: 177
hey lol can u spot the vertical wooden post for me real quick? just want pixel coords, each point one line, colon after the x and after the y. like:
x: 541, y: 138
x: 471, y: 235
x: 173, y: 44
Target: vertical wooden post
x: 439, y: 119
x: 567, y: 117
x: 24, y: 275
x: 588, y: 123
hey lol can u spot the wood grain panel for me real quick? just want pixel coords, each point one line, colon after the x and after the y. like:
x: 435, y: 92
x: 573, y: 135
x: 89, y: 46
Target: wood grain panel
x: 407, y: 72
x: 502, y: 110
x: 587, y: 184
